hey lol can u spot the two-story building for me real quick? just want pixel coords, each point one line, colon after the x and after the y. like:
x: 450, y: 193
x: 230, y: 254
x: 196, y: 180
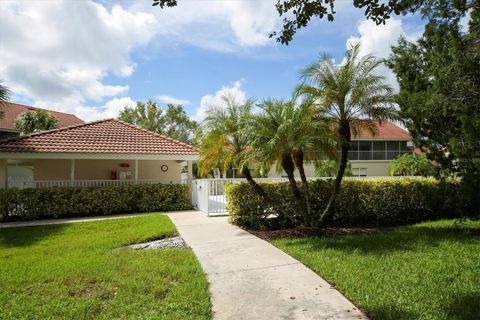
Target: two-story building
x: 370, y: 155
x: 11, y: 111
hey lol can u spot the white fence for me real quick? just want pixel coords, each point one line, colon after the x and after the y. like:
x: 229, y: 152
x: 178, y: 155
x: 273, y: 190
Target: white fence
x: 208, y: 195
x: 23, y: 184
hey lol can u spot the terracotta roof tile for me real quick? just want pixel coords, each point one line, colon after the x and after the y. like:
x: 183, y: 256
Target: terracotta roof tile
x: 385, y: 131
x: 12, y: 110
x: 104, y: 136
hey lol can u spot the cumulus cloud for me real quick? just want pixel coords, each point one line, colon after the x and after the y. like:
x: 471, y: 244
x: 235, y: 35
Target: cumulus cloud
x: 59, y: 53
x: 172, y: 100
x: 233, y: 91
x: 226, y: 26
x: 378, y: 40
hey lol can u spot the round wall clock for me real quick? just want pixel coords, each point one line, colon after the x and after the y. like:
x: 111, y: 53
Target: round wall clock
x: 164, y: 168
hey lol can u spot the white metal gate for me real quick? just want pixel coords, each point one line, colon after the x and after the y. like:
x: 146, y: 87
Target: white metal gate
x: 208, y: 194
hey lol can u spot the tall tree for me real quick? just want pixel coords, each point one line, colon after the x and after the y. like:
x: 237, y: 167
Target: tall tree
x: 439, y: 77
x: 224, y: 142
x: 172, y: 122
x: 298, y: 13
x: 350, y: 96
x: 285, y: 134
x: 35, y: 121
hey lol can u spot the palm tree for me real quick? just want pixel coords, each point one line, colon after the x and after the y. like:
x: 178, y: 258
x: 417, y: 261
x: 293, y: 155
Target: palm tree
x: 4, y: 95
x: 285, y: 134
x: 225, y: 141
x: 351, y: 97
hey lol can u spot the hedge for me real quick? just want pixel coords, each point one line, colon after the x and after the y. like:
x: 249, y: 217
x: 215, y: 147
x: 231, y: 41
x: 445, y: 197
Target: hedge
x: 372, y: 202
x: 56, y: 202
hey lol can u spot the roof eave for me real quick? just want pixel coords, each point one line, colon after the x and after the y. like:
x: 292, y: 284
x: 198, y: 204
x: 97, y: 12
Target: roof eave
x: 96, y: 156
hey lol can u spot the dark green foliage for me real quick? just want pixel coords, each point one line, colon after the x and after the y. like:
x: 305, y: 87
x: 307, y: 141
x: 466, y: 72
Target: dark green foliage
x: 379, y: 202
x: 56, y: 202
x: 439, y: 96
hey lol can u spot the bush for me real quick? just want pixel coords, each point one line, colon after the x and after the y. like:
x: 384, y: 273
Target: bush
x: 372, y: 202
x: 31, y: 204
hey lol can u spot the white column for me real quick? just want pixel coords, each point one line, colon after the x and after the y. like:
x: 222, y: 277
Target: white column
x: 136, y: 171
x: 3, y: 174
x: 72, y: 172
x: 189, y: 172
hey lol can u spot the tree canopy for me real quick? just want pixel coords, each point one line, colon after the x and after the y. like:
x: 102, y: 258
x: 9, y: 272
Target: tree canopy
x: 439, y: 98
x: 172, y: 122
x: 296, y: 14
x: 35, y: 121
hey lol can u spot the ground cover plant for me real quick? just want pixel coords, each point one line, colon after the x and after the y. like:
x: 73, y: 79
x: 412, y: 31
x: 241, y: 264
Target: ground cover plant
x: 425, y: 271
x: 71, y: 271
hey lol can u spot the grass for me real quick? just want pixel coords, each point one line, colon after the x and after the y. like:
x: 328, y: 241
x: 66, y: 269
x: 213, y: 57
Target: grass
x: 425, y: 271
x: 69, y: 271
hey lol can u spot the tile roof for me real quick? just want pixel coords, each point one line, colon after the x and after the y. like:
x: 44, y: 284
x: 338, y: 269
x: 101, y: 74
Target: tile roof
x: 12, y: 110
x: 385, y: 131
x: 104, y: 136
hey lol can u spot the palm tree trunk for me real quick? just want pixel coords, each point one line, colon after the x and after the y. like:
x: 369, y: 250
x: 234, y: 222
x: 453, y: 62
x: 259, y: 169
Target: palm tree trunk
x: 255, y: 186
x: 298, y: 159
x: 259, y: 190
x: 288, y: 166
x: 344, y: 132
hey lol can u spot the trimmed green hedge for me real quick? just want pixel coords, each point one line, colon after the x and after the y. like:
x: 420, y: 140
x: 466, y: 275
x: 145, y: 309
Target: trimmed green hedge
x: 56, y: 202
x: 372, y: 202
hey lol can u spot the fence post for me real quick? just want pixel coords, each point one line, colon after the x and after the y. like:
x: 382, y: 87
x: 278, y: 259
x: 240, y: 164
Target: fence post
x: 208, y: 198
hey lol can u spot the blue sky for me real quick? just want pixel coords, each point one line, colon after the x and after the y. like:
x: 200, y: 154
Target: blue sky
x: 92, y: 58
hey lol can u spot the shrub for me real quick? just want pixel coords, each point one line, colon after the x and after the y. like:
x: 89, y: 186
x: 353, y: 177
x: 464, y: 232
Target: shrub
x: 372, y: 202
x: 31, y: 204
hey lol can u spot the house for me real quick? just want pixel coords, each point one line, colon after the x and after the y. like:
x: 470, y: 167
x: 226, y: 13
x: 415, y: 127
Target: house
x: 99, y: 153
x: 12, y: 110
x: 370, y: 155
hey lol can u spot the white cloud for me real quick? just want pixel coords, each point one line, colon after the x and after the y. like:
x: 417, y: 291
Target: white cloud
x: 378, y: 40
x: 59, y: 53
x: 172, y: 100
x: 216, y: 24
x: 233, y: 90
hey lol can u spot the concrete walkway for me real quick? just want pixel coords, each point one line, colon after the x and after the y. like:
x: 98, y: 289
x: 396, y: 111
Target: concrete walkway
x: 251, y: 279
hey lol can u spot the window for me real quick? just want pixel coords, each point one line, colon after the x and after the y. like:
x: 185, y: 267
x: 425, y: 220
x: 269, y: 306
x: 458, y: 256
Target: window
x: 353, y: 153
x: 359, y: 172
x: 378, y: 150
x: 393, y: 149
x: 364, y: 150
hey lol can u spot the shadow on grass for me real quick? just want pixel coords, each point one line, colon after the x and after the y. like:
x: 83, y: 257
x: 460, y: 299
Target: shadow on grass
x: 25, y: 236
x: 464, y: 307
x: 391, y: 312
x: 401, y: 239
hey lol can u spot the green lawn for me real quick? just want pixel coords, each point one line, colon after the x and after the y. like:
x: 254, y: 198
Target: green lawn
x: 426, y: 271
x: 69, y: 271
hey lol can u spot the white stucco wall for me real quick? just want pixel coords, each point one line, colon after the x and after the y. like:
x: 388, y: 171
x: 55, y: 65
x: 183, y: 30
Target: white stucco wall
x: 49, y: 169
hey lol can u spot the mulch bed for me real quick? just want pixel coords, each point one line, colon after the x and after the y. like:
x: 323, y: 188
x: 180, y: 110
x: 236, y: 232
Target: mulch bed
x: 301, y: 231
